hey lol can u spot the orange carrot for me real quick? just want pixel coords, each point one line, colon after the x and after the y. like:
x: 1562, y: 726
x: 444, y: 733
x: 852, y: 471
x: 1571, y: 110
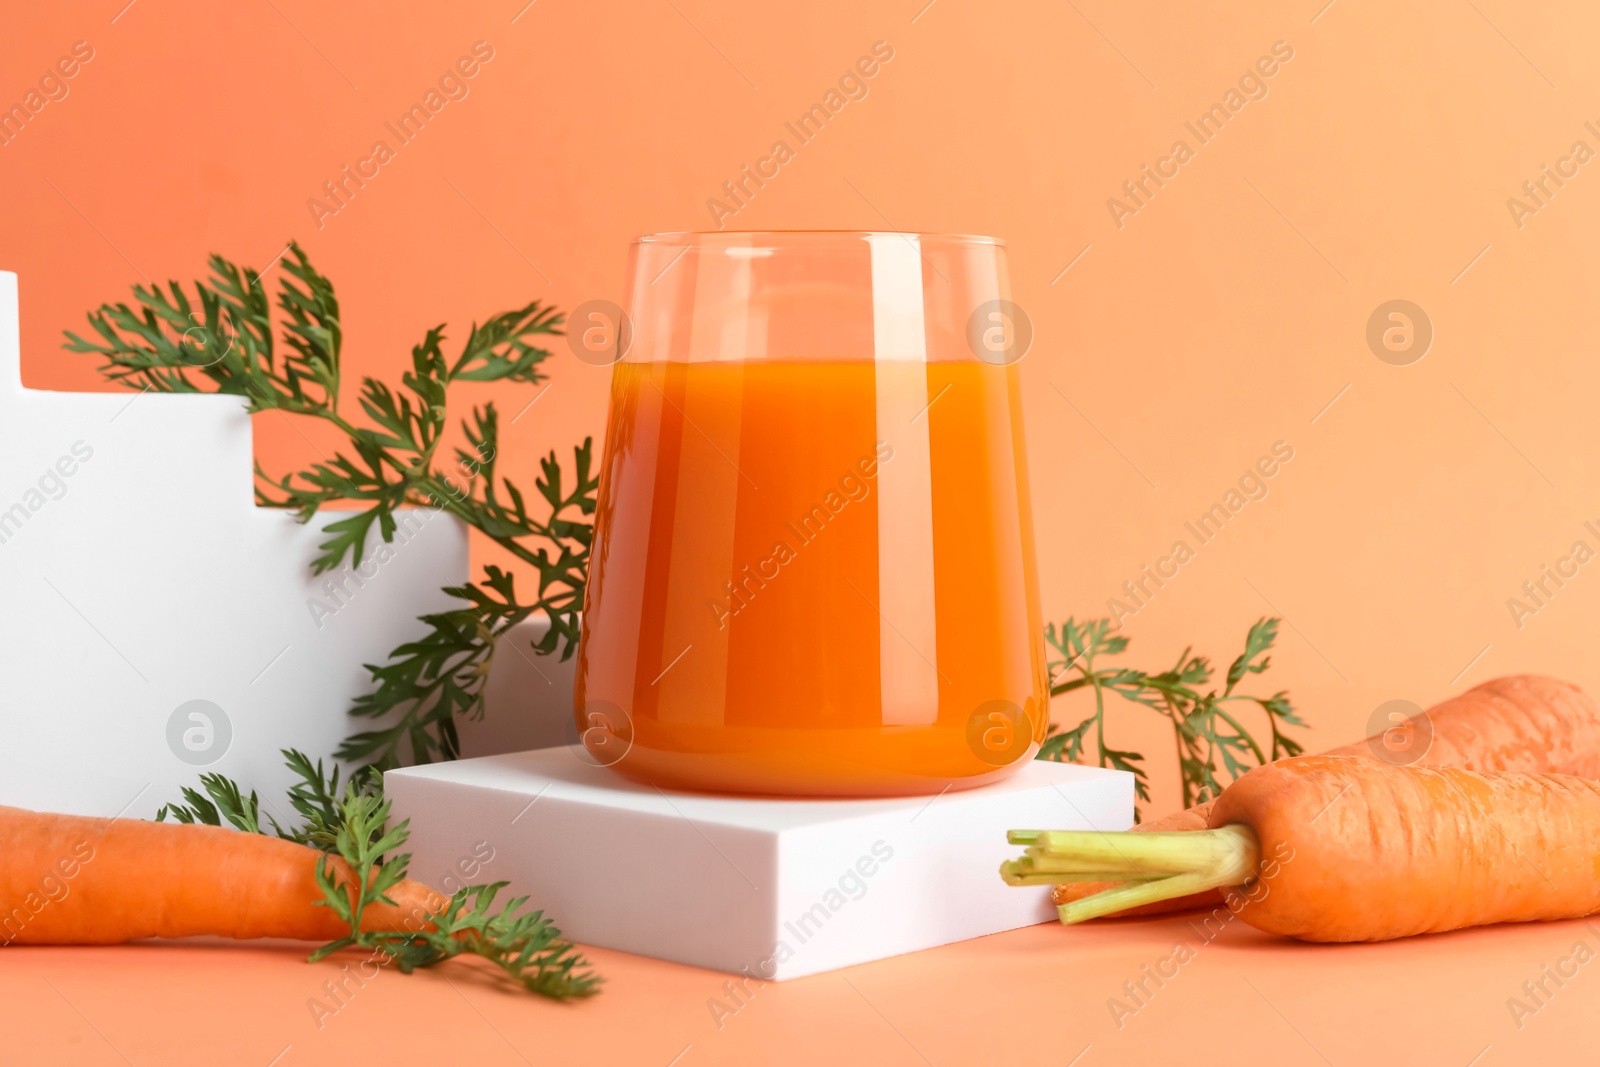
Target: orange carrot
x: 1342, y: 848
x: 1522, y: 722
x: 1397, y: 851
x: 73, y: 880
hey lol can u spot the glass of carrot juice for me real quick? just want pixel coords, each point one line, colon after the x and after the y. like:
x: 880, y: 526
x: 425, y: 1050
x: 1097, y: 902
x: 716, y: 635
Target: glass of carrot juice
x: 813, y: 569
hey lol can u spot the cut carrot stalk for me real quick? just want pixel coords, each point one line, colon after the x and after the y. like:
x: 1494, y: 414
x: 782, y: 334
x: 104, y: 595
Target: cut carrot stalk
x: 1020, y: 872
x: 1171, y: 853
x: 1227, y: 856
x: 1154, y: 867
x: 1046, y: 863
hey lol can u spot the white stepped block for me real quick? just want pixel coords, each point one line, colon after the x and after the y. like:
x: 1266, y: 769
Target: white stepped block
x: 146, y: 578
x: 770, y: 887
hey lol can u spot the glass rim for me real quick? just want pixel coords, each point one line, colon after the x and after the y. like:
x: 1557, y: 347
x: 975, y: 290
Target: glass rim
x: 778, y: 238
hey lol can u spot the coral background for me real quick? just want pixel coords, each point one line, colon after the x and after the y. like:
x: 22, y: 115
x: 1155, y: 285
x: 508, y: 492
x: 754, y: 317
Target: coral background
x: 1223, y: 316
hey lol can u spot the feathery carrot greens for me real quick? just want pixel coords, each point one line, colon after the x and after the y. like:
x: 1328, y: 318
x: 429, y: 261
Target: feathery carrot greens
x: 1206, y: 729
x: 353, y: 825
x: 524, y: 945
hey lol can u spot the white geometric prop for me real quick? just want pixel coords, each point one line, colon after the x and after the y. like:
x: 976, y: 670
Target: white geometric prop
x: 764, y: 887
x: 158, y: 623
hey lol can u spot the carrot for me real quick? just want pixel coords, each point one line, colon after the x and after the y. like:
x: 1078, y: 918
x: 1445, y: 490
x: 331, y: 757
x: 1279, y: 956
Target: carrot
x: 72, y: 880
x: 1341, y: 848
x: 1522, y: 722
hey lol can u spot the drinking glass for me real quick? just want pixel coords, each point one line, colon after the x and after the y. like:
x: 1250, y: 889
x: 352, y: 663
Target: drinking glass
x: 813, y: 571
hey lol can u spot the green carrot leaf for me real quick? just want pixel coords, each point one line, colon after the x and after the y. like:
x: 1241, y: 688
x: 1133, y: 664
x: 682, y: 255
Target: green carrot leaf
x: 1213, y: 745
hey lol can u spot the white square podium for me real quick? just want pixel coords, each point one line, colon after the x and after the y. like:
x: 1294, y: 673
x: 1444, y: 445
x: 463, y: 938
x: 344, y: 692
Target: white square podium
x: 772, y: 888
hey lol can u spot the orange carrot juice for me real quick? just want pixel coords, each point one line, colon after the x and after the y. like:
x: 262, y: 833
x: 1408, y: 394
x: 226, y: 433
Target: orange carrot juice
x: 814, y: 578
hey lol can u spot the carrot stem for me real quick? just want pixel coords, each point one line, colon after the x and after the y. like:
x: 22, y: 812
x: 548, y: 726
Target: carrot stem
x: 1151, y: 867
x: 1023, y: 872
x: 1139, y: 853
x: 1045, y: 862
x: 1136, y: 894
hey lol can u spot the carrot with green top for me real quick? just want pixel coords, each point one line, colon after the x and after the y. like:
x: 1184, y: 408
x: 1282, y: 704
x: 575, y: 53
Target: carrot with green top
x: 1344, y: 848
x: 1524, y: 722
x: 74, y: 880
